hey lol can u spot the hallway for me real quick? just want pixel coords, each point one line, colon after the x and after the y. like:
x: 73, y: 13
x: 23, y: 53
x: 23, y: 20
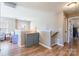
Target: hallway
x: 8, y: 49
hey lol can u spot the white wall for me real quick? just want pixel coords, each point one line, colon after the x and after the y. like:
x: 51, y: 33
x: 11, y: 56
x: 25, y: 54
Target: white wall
x: 23, y: 25
x: 39, y: 19
x: 60, y: 27
x: 45, y: 38
x: 0, y: 8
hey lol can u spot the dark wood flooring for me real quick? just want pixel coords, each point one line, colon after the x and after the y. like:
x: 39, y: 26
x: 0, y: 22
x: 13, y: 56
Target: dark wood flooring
x: 9, y: 49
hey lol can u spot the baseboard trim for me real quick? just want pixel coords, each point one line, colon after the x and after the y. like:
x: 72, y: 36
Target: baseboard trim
x: 45, y: 46
x: 60, y: 44
x: 21, y: 45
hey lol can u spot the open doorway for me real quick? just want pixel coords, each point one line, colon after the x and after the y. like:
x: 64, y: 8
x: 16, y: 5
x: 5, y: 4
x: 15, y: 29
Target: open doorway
x: 12, y: 33
x: 73, y: 28
x: 76, y: 28
x: 73, y: 34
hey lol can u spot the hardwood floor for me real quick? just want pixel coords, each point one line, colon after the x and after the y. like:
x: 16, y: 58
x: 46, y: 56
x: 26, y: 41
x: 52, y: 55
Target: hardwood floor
x: 8, y: 49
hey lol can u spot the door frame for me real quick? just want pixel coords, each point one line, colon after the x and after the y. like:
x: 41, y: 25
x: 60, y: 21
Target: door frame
x: 66, y: 32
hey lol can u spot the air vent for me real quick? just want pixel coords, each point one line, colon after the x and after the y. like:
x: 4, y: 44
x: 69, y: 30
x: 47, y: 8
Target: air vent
x: 10, y: 4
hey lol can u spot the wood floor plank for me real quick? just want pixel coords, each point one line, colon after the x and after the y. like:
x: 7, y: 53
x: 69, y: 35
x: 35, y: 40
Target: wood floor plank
x: 9, y: 49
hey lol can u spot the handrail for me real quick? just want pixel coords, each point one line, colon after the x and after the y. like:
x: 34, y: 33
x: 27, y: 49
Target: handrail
x: 54, y: 34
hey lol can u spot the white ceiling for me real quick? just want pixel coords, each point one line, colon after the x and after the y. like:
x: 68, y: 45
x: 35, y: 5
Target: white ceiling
x: 72, y: 11
x: 52, y: 6
x: 44, y: 6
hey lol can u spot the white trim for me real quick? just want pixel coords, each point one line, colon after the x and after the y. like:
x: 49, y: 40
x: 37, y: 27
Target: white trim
x: 45, y: 46
x: 60, y: 44
x: 21, y: 45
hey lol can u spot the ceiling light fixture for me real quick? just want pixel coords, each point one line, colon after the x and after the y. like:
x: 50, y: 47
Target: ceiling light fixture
x: 72, y: 3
